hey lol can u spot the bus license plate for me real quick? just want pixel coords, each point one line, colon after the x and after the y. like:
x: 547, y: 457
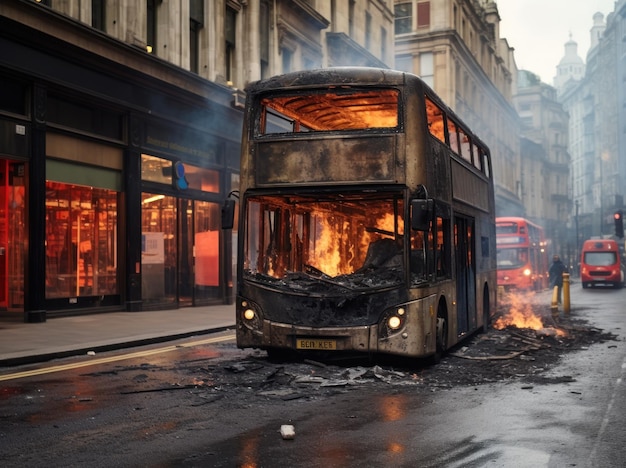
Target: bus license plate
x: 316, y: 344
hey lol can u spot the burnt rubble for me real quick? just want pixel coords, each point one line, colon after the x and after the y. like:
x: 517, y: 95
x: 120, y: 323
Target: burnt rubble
x: 510, y: 355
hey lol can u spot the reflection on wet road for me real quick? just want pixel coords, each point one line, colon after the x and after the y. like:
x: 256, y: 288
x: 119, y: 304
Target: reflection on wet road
x: 120, y: 357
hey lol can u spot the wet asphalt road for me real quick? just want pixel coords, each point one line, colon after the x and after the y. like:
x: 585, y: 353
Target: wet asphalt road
x: 158, y: 411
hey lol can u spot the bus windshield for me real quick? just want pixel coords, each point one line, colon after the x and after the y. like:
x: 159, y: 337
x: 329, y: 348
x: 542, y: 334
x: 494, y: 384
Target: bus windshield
x: 509, y: 259
x: 344, y: 109
x: 316, y: 242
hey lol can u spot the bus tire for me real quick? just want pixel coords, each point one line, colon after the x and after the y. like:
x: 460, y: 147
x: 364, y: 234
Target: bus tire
x: 441, y: 339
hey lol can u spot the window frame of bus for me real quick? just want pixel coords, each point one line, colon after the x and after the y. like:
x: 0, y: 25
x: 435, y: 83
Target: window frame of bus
x: 443, y: 127
x: 293, y: 125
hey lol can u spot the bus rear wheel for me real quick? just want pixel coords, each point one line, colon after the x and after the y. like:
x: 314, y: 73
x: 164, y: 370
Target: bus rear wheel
x: 441, y: 340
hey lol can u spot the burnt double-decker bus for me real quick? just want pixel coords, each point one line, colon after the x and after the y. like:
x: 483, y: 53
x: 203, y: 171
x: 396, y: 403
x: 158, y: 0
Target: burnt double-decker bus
x: 366, y: 218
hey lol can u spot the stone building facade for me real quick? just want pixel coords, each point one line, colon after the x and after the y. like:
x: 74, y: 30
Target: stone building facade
x: 456, y: 47
x: 595, y: 102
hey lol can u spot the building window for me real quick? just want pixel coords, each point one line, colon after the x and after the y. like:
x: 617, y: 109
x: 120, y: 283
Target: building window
x: 351, y: 18
x: 427, y: 68
x: 383, y: 44
x: 230, y: 37
x: 368, y: 31
x: 264, y: 35
x: 404, y: 63
x: 97, y: 14
x: 423, y: 14
x: 287, y: 56
x: 403, y: 17
x: 194, y: 45
x: 196, y: 23
x: 151, y: 25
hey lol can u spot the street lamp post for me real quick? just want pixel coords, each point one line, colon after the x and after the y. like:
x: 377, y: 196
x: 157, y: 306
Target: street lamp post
x: 577, y: 241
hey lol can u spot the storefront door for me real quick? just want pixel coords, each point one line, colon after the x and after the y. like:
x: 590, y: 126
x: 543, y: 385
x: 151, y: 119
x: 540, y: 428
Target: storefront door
x: 12, y: 234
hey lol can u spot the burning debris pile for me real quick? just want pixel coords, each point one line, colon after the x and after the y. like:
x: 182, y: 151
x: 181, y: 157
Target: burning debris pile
x: 525, y: 343
x: 509, y: 354
x: 522, y: 310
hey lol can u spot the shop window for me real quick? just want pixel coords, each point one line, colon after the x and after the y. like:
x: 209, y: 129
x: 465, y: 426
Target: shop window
x: 207, y: 248
x: 199, y: 178
x: 13, y: 236
x: 81, y: 241
x: 158, y: 249
x: 155, y: 169
x: 160, y: 170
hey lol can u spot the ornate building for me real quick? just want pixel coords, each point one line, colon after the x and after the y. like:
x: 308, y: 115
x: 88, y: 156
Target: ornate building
x: 456, y: 47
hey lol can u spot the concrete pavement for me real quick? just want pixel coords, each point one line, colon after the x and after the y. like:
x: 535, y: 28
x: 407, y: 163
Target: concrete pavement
x: 26, y: 343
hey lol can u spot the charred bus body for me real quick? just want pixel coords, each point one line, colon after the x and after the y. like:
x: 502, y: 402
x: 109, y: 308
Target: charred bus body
x: 366, y: 218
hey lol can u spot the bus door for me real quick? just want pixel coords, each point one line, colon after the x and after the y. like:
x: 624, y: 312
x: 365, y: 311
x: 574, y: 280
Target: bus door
x: 465, y: 274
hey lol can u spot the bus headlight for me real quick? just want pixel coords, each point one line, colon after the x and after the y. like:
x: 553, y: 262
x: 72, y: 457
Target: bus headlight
x: 393, y: 321
x: 527, y: 272
x: 250, y: 315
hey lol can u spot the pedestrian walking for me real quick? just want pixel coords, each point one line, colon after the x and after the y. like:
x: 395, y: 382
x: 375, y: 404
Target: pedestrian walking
x: 556, y: 275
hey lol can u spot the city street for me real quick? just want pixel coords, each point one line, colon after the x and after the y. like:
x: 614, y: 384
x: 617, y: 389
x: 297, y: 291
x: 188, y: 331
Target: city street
x: 201, y: 403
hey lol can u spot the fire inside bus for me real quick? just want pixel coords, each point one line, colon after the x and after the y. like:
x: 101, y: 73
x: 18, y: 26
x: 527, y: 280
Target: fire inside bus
x: 522, y: 256
x: 366, y: 220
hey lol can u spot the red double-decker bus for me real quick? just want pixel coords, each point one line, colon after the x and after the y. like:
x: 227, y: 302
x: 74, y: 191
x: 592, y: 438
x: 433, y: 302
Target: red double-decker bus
x: 521, y: 253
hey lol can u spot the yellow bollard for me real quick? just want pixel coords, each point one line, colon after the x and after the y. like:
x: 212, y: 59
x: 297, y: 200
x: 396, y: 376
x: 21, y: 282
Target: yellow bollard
x: 566, y: 301
x: 554, y: 306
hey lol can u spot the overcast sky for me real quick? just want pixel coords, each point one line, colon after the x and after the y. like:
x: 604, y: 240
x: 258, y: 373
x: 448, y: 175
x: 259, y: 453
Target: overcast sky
x: 539, y: 29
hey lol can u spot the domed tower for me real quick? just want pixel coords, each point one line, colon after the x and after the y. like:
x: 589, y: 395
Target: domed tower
x: 571, y: 66
x: 596, y: 30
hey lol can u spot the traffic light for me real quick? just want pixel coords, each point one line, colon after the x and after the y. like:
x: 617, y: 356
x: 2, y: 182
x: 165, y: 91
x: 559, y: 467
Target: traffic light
x: 619, y: 223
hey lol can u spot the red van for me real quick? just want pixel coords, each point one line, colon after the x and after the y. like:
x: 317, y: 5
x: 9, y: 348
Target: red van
x: 601, y: 264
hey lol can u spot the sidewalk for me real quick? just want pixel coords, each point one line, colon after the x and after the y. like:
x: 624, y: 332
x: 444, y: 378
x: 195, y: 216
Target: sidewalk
x: 27, y: 343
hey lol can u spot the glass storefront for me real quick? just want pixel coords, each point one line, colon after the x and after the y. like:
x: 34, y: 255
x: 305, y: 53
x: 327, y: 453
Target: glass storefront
x: 180, y: 250
x: 158, y: 249
x: 181, y: 238
x: 207, y: 246
x: 81, y: 241
x: 13, y: 235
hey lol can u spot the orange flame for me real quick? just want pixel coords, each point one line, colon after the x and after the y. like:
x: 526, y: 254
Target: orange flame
x: 339, y: 247
x: 521, y: 314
